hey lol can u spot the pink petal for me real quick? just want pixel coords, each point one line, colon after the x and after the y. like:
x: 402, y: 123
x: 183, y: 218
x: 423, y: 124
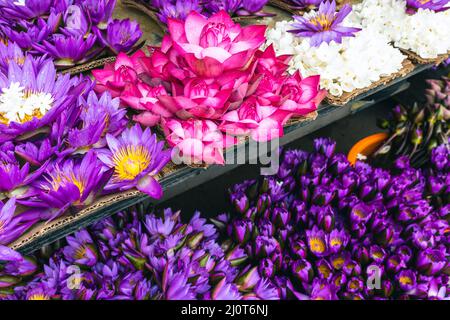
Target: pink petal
x: 194, y: 26
x: 147, y: 119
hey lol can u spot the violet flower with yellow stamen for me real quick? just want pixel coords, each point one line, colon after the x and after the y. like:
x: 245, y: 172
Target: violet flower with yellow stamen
x: 136, y: 157
x: 412, y: 6
x: 317, y: 242
x: 80, y: 249
x: 325, y: 25
x: 70, y: 183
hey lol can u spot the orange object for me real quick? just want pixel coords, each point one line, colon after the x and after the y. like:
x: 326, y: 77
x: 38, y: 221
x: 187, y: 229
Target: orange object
x: 366, y: 146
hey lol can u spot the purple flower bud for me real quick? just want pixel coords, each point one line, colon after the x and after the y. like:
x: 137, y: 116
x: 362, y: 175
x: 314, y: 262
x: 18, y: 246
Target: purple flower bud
x: 431, y: 261
x: 266, y: 268
x: 317, y: 242
x: 377, y: 254
x: 337, y: 240
x: 242, y: 230
x: 265, y: 246
x: 339, y: 279
x: 280, y: 217
x: 248, y: 279
x: 395, y: 263
x: 406, y: 280
x: 241, y: 202
x: 236, y: 256
x: 298, y: 248
x: 355, y: 285
x: 302, y: 270
x: 324, y: 269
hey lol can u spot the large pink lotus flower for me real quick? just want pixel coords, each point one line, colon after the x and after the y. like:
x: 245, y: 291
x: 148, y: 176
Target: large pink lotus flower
x: 199, y: 97
x: 196, y: 141
x: 144, y: 97
x: 115, y: 76
x: 261, y: 122
x: 213, y: 45
x: 301, y: 95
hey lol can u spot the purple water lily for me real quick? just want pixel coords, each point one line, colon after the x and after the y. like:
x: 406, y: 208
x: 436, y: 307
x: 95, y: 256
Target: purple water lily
x: 325, y: 25
x: 434, y: 5
x: 121, y: 35
x: 69, y: 183
x: 13, y: 225
x: 136, y: 158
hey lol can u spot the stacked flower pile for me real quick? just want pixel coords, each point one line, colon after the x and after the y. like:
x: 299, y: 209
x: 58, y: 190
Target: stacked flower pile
x: 129, y: 257
x: 319, y: 229
x: 331, y: 44
x: 70, y: 32
x: 180, y: 9
x: 61, y: 145
x: 322, y: 229
x: 415, y: 131
x: 418, y: 26
x: 208, y: 83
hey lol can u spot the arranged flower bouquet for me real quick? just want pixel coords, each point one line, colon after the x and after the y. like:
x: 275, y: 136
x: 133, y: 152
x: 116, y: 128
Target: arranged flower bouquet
x: 208, y: 84
x: 62, y: 145
x: 70, y: 32
x: 162, y: 10
x: 318, y: 229
x: 419, y: 27
x: 349, y: 57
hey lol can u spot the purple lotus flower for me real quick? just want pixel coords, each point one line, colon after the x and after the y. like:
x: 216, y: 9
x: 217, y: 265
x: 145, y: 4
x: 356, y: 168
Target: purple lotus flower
x: 325, y: 25
x: 81, y: 249
x: 68, y: 51
x: 100, y: 11
x: 225, y: 291
x: 10, y: 52
x: 26, y: 9
x: 431, y: 261
x: 406, y: 280
x: 69, y: 183
x: 434, y: 5
x: 136, y: 157
x: 176, y: 9
x: 121, y: 35
x: 304, y: 4
x: 13, y: 226
x: 317, y: 242
x: 100, y: 116
x: 76, y: 23
x: 28, y: 35
x: 14, y: 264
x: 39, y: 94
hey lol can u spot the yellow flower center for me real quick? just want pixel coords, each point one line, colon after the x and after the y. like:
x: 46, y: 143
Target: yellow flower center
x: 405, y: 280
x: 338, y: 263
x: 58, y: 179
x: 130, y: 161
x: 38, y: 296
x: 317, y: 245
x: 321, y: 20
x: 325, y: 271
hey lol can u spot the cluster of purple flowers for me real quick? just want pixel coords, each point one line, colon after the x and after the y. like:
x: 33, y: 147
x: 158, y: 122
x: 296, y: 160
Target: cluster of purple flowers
x: 133, y: 257
x: 69, y: 31
x: 322, y: 229
x: 319, y: 229
x: 179, y: 9
x: 61, y: 145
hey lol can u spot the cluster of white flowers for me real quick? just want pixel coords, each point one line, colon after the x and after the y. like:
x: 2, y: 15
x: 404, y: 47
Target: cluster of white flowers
x: 18, y: 105
x: 354, y: 64
x: 425, y: 33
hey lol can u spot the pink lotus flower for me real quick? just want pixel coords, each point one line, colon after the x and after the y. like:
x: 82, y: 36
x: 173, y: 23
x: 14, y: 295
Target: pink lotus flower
x: 213, y: 45
x: 261, y: 122
x: 197, y: 141
x: 116, y: 76
x: 143, y: 97
x: 269, y: 62
x: 301, y: 96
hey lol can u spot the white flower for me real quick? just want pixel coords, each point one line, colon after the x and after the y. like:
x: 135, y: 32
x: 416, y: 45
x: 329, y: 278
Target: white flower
x: 16, y: 103
x: 425, y: 32
x: 354, y: 64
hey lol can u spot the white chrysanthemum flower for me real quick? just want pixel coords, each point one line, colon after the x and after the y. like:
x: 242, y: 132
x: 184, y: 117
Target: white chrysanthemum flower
x: 354, y: 64
x: 16, y: 104
x: 424, y: 33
